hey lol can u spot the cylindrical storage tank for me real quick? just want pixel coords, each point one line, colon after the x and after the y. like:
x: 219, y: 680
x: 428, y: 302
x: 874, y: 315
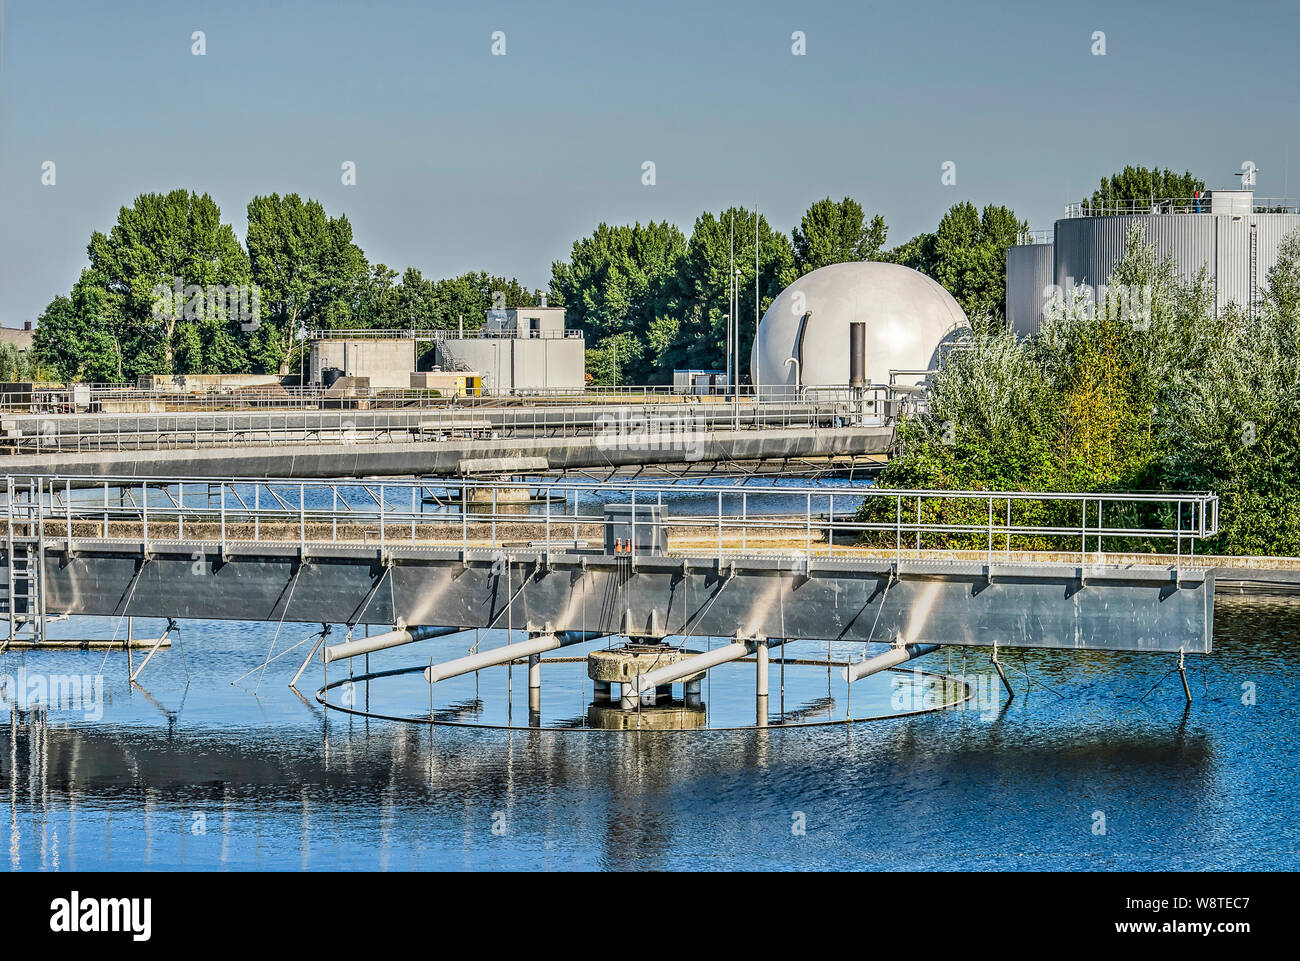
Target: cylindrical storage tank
x: 857, y: 354
x: 906, y: 315
x: 1030, y: 270
x: 1089, y: 248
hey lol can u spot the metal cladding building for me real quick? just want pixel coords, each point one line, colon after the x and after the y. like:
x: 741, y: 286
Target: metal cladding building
x: 1232, y: 234
x: 803, y: 341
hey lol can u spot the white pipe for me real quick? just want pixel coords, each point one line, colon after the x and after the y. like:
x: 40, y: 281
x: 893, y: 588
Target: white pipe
x: 890, y: 658
x: 379, y: 642
x: 507, y: 652
x: 699, y: 662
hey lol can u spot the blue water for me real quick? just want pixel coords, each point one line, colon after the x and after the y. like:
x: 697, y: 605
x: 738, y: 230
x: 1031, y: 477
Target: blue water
x: 1075, y: 772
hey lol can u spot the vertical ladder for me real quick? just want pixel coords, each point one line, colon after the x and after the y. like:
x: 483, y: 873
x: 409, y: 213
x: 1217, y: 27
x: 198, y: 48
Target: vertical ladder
x: 26, y: 558
x: 1254, y: 269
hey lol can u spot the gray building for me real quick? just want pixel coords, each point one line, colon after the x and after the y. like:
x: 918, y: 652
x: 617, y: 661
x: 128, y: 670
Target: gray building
x: 385, y: 358
x: 519, y: 351
x: 1234, y: 235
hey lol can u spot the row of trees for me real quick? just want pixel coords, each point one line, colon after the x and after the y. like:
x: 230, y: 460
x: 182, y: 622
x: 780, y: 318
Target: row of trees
x: 657, y: 300
x: 171, y: 288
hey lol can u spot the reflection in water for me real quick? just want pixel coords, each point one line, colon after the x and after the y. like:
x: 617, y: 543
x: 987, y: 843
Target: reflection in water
x: 213, y: 777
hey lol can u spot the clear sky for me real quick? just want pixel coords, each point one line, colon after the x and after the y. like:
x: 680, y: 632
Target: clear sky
x: 465, y: 160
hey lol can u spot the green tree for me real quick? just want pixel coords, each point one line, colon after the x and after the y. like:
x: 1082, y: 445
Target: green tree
x: 163, y: 243
x: 623, y: 280
x: 1143, y: 183
x: 970, y: 256
x: 610, y: 362
x: 918, y: 253
x: 700, y: 336
x: 307, y: 268
x: 833, y: 233
x: 74, y: 337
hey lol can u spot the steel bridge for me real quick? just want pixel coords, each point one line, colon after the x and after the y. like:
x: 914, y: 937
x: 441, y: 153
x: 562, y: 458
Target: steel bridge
x: 560, y: 559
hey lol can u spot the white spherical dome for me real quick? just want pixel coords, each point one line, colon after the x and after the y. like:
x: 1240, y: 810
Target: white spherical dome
x: 907, y: 316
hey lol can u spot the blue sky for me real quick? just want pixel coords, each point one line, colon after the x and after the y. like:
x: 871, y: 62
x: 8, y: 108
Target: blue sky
x: 467, y: 160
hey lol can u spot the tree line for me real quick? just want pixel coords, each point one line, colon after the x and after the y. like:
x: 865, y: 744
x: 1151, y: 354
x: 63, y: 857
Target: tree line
x: 171, y: 289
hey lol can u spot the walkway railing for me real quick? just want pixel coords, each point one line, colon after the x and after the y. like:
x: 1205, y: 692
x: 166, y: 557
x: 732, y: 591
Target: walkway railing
x: 618, y: 421
x: 800, y: 522
x: 1173, y: 205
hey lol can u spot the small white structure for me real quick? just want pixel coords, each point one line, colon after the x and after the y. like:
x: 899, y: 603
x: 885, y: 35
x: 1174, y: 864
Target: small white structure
x: 803, y: 339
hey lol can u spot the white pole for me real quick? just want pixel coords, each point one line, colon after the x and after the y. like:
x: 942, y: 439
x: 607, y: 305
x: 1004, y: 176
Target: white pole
x: 753, y: 367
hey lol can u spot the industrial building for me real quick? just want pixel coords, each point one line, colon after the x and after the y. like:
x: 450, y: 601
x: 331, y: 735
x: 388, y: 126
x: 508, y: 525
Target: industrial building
x: 385, y: 358
x: 516, y: 351
x: 1234, y: 235
x: 519, y: 351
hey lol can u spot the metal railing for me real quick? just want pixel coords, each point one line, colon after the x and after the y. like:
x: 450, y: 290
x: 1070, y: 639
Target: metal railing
x: 1026, y: 238
x: 724, y: 521
x: 616, y: 420
x: 437, y: 334
x: 1175, y: 205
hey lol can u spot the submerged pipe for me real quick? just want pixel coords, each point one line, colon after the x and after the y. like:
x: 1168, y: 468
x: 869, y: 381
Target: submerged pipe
x: 890, y: 658
x: 379, y: 642
x: 507, y: 652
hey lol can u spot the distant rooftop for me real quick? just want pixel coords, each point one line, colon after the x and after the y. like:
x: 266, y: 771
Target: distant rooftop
x: 20, y: 338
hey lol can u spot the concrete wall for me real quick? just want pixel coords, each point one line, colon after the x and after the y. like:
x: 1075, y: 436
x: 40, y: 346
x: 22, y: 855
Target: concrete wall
x: 388, y: 363
x: 512, y: 365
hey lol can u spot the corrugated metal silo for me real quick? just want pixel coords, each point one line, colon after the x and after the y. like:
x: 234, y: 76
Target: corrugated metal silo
x: 1030, y: 268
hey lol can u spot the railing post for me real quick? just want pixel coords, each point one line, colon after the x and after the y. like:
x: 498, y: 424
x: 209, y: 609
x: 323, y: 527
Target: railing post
x: 808, y: 531
x: 67, y: 505
x: 302, y: 517
x: 223, y: 516
x: 144, y: 502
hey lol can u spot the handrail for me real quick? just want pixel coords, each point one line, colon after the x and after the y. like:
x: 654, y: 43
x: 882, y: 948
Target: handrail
x: 1174, y: 205
x: 688, y: 416
x: 488, y: 516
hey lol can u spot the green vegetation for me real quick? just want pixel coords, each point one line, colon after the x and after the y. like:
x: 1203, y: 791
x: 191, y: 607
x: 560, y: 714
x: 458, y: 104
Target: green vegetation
x: 1111, y: 398
x: 127, y: 316
x: 968, y: 255
x: 648, y: 298
x: 1142, y: 183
